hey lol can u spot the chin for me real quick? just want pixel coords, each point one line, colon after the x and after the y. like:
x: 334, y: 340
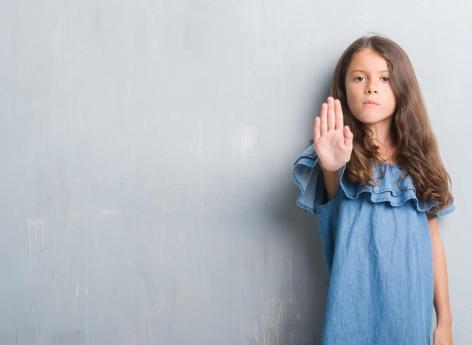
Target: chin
x: 370, y: 117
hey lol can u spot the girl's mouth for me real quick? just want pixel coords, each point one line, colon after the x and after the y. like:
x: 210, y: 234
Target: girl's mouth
x: 370, y: 104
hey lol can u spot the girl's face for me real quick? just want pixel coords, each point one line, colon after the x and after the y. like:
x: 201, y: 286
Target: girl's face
x: 367, y: 79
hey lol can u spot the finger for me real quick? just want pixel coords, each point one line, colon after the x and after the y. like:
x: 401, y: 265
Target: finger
x: 323, y: 118
x: 348, y: 136
x: 317, y: 130
x: 339, y: 114
x: 331, y: 114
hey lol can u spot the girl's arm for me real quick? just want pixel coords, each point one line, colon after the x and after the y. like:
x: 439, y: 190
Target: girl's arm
x: 441, y: 292
x: 330, y: 181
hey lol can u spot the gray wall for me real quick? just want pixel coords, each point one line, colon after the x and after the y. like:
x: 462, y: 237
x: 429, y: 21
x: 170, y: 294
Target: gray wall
x: 147, y: 149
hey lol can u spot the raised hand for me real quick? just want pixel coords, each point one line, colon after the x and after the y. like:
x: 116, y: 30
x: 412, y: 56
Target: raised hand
x: 332, y: 140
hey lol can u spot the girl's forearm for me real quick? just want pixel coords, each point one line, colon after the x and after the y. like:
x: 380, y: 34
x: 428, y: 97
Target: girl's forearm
x: 441, y: 291
x: 331, y: 181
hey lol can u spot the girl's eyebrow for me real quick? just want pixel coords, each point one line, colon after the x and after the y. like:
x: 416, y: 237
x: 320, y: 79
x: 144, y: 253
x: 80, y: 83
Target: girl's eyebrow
x: 365, y: 71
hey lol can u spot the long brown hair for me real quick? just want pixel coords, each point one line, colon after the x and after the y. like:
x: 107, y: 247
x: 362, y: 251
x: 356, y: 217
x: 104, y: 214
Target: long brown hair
x: 417, y: 150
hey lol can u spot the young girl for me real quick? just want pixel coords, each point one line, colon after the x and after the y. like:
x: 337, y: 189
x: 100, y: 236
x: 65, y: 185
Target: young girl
x: 374, y: 178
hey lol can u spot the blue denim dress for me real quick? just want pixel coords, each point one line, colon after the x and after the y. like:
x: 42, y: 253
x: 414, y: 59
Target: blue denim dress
x: 377, y: 246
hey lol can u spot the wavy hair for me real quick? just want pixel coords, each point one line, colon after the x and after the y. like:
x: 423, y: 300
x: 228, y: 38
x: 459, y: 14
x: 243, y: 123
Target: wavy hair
x: 417, y: 149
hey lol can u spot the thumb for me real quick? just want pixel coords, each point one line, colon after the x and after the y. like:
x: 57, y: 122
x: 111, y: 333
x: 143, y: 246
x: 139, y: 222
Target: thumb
x: 348, y: 135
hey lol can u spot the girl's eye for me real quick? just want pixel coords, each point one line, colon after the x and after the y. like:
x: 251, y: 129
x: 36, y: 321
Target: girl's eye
x: 359, y: 78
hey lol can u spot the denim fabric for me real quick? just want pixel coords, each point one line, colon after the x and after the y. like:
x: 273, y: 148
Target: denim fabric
x: 377, y: 247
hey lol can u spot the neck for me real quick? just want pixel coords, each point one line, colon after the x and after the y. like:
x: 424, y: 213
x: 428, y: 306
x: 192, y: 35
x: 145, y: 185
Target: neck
x: 381, y: 131
x: 382, y: 137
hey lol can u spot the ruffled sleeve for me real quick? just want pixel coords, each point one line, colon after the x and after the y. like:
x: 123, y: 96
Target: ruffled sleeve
x: 446, y: 210
x: 307, y: 175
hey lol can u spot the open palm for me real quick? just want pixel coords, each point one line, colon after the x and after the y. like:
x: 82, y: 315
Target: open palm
x: 332, y: 140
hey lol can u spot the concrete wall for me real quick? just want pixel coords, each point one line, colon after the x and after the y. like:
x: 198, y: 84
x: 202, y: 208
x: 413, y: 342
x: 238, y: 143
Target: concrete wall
x: 147, y: 149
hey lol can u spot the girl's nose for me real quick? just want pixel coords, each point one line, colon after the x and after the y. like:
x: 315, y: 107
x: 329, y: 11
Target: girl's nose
x: 370, y: 89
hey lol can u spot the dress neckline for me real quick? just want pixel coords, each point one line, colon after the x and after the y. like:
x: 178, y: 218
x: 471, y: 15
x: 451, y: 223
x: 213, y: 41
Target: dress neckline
x: 387, y: 163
